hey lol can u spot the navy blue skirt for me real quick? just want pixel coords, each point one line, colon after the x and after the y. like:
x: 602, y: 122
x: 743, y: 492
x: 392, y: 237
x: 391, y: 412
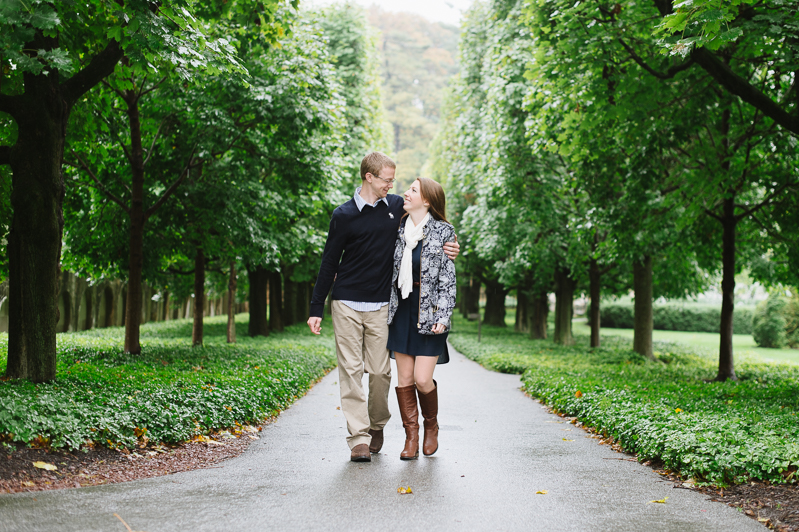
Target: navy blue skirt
x: 403, y: 334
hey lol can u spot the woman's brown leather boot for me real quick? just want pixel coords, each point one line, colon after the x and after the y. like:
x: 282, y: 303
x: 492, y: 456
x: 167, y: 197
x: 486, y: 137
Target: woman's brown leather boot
x: 406, y: 396
x: 429, y: 403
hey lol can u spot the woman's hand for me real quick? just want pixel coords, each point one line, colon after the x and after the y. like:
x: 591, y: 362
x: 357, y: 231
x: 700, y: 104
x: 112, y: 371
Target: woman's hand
x: 439, y: 328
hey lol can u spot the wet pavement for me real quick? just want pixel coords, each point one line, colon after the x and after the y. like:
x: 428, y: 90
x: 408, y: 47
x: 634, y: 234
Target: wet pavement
x: 497, y: 449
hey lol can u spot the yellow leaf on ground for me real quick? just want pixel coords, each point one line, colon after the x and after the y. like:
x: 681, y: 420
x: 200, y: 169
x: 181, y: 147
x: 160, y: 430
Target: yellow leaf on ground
x: 564, y: 439
x: 661, y: 501
x: 45, y: 465
x: 541, y: 492
x: 404, y: 490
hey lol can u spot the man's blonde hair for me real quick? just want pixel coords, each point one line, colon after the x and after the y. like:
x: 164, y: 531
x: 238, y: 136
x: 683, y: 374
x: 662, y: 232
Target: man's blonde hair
x: 374, y: 162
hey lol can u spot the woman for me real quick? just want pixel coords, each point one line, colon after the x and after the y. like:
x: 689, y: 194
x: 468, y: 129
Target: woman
x: 422, y: 300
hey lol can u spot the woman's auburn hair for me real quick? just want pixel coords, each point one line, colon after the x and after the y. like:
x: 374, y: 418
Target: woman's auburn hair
x: 433, y: 194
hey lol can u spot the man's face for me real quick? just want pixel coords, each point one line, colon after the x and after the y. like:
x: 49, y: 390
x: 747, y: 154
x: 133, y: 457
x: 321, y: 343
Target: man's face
x: 382, y: 183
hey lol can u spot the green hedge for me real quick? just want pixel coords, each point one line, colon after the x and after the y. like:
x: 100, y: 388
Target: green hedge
x: 170, y: 393
x: 673, y: 317
x: 671, y: 410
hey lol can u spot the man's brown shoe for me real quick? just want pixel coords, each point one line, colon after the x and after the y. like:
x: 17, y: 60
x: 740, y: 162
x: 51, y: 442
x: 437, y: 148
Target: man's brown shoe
x: 377, y: 440
x: 360, y: 453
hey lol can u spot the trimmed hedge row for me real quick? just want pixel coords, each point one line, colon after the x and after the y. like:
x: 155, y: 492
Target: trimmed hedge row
x: 170, y: 393
x: 672, y: 317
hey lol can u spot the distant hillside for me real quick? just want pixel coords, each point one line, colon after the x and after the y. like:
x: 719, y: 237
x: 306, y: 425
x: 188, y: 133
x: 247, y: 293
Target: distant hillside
x: 418, y: 57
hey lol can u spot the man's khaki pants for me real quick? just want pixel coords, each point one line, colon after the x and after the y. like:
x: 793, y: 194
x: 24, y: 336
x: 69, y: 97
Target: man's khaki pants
x: 361, y: 339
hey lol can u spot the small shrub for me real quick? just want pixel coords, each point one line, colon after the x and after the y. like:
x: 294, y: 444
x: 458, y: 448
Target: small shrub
x: 769, y: 322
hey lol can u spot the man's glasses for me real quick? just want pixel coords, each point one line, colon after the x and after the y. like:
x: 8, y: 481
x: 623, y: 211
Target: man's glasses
x: 386, y: 181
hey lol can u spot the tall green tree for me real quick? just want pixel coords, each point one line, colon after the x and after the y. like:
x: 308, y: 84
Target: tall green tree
x: 55, y: 52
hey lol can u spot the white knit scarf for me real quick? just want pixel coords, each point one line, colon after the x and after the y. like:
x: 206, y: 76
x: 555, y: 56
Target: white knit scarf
x: 413, y: 234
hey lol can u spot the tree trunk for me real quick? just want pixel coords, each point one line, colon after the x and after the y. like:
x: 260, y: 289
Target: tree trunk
x: 289, y: 300
x: 564, y: 308
x: 473, y: 297
x: 41, y: 115
x: 462, y: 297
x: 523, y: 308
x: 231, y: 305
x: 257, y: 301
x: 275, y: 302
x: 88, y: 302
x: 34, y: 242
x: 199, y: 298
x: 304, y: 291
x: 133, y: 313
x: 595, y: 278
x: 642, y: 321
x: 538, y: 318
x: 495, y: 304
x: 726, y: 362
x: 165, y: 311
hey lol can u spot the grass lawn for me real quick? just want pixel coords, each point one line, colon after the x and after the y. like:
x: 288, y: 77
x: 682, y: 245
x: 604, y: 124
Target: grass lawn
x: 743, y: 344
x: 670, y: 409
x: 171, y: 392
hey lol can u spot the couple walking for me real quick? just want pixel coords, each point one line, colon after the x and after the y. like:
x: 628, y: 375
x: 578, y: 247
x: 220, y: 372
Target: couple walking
x: 391, y: 294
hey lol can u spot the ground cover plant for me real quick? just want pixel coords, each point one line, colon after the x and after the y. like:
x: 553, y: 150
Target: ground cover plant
x: 170, y: 393
x: 670, y: 410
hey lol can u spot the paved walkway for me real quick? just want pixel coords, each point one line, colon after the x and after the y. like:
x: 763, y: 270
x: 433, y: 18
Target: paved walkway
x: 498, y: 447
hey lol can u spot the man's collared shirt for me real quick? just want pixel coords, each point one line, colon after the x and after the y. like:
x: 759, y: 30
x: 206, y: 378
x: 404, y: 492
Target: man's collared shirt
x: 362, y: 306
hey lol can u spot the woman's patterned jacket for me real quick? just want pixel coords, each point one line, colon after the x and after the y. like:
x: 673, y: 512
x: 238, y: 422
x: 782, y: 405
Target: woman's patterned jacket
x: 437, y: 290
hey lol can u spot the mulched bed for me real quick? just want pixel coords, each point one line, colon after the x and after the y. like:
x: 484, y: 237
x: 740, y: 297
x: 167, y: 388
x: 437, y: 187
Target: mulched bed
x: 91, y: 467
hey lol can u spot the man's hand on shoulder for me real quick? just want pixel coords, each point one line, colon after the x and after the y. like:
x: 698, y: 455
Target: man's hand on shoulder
x: 315, y: 324
x: 452, y: 249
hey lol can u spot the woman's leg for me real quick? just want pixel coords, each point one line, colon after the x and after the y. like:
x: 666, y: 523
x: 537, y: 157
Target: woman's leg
x: 405, y: 365
x: 409, y: 411
x: 423, y: 373
x: 428, y: 400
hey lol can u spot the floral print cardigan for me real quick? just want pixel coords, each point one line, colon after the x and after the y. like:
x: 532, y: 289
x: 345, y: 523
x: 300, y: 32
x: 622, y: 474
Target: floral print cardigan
x: 437, y: 290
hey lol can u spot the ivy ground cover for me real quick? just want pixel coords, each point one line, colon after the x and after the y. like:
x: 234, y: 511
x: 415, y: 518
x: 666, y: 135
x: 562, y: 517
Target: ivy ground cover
x: 170, y: 393
x: 669, y: 410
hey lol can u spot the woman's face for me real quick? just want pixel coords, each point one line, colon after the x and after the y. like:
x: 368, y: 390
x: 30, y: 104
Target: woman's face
x: 413, y: 198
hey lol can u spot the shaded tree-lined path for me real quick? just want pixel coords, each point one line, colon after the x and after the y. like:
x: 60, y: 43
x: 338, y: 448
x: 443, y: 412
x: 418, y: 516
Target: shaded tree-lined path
x: 498, y: 448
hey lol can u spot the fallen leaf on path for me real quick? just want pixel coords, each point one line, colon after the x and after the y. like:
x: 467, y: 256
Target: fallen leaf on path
x: 541, y: 492
x: 564, y: 439
x: 403, y: 490
x: 661, y: 501
x: 45, y: 465
x: 338, y: 408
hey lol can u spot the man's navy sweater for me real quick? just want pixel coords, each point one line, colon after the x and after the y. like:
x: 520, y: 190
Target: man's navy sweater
x: 366, y: 239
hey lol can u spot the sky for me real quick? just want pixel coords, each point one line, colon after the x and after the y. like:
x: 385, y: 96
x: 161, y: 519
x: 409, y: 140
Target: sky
x: 448, y: 11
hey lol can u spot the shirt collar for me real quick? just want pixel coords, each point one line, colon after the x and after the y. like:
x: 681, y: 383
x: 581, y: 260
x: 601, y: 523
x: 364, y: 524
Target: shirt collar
x: 361, y: 203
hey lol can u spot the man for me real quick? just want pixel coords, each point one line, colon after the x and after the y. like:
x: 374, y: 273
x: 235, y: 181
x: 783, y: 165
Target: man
x: 359, y: 255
